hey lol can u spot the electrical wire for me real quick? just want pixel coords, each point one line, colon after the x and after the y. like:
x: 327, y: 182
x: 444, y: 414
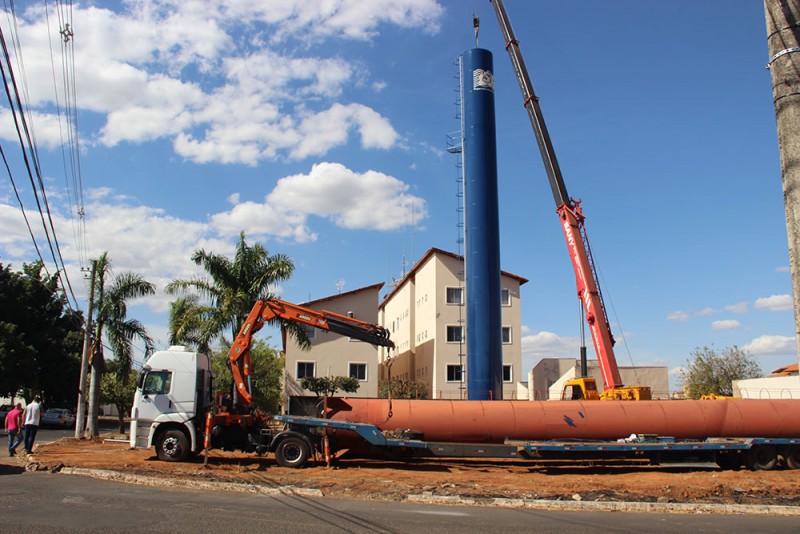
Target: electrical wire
x: 30, y: 158
x: 74, y: 189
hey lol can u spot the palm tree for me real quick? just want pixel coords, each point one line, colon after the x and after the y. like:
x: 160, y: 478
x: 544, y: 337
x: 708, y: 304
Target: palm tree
x: 111, y: 294
x: 231, y: 289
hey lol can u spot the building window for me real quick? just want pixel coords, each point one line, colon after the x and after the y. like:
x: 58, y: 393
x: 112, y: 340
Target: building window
x: 506, y: 335
x: 508, y: 374
x: 455, y: 295
x: 455, y: 334
x: 455, y: 373
x: 306, y: 369
x: 505, y: 297
x: 358, y: 371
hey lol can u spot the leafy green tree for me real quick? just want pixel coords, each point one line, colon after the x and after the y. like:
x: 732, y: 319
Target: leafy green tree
x: 328, y: 386
x: 40, y: 337
x: 267, y: 372
x: 114, y: 390
x: 403, y: 389
x: 112, y: 292
x: 709, y: 372
x: 219, y: 303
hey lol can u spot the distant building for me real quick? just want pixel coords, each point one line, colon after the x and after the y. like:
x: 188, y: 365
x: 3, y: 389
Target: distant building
x: 783, y: 383
x: 546, y: 380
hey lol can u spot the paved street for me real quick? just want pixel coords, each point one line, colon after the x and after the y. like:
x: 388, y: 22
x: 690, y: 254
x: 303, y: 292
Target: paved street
x: 44, y: 502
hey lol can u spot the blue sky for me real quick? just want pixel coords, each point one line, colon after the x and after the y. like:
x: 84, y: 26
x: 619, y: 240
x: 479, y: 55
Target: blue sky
x: 319, y: 128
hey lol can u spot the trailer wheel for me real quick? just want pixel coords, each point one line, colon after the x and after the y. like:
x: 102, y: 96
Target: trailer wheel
x: 791, y: 456
x: 762, y: 458
x: 728, y: 461
x: 292, y: 452
x: 172, y: 446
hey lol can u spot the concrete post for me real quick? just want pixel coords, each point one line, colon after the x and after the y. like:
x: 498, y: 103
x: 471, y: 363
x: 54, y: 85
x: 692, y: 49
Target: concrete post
x: 783, y: 37
x: 80, y: 410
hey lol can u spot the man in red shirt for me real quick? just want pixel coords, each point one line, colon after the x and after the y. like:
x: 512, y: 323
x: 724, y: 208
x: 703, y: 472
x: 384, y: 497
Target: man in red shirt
x: 14, y: 428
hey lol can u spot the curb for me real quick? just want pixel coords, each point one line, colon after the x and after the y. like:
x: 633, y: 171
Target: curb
x: 193, y: 484
x: 452, y: 500
x: 609, y: 506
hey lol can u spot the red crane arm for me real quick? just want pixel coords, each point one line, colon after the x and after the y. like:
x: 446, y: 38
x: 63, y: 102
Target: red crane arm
x: 568, y: 211
x: 267, y: 310
x: 589, y: 292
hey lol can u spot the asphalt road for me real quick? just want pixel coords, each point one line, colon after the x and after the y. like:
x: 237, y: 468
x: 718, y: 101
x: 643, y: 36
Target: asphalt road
x: 44, y: 502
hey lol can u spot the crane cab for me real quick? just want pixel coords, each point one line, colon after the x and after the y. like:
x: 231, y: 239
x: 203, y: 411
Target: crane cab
x: 586, y: 389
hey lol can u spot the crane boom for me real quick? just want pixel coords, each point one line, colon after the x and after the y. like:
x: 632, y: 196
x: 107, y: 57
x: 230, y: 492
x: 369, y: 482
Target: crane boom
x: 268, y: 309
x: 569, y: 213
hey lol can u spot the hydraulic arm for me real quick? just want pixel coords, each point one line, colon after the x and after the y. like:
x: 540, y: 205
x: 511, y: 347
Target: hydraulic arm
x: 266, y: 310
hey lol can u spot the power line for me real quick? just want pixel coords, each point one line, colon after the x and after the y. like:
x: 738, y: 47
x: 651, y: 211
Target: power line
x: 9, y: 81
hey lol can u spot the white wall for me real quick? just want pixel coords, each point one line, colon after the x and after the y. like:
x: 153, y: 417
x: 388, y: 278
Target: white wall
x: 778, y: 387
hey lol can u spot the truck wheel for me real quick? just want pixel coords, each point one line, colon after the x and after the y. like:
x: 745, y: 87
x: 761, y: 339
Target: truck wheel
x: 762, y: 458
x: 791, y: 456
x: 292, y: 452
x: 172, y: 446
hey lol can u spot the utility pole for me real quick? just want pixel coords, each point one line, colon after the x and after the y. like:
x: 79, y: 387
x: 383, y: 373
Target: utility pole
x: 87, y: 341
x: 783, y: 38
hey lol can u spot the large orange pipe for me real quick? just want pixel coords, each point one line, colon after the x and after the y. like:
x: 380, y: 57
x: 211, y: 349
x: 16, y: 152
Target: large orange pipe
x: 496, y: 421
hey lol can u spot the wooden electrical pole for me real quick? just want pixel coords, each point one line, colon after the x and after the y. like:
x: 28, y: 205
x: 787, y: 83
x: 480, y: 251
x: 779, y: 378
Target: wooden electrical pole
x: 783, y: 37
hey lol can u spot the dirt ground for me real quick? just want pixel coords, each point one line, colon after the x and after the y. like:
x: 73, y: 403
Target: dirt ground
x: 474, y: 478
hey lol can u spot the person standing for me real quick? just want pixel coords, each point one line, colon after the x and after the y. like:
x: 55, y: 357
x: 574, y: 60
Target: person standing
x: 14, y: 428
x: 32, y: 413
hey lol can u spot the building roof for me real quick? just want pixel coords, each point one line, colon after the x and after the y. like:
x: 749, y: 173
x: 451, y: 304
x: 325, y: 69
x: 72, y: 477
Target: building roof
x: 787, y: 370
x: 376, y: 287
x: 431, y: 252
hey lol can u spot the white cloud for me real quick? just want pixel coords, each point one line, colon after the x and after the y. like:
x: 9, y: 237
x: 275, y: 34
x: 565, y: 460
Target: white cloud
x: 117, y: 225
x: 353, y: 19
x: 706, y: 312
x: 221, y: 89
x: 549, y: 345
x: 779, y: 303
x: 47, y: 128
x: 319, y: 132
x: 783, y: 269
x: 765, y: 345
x: 740, y: 307
x: 357, y: 201
x: 727, y: 324
x: 679, y: 316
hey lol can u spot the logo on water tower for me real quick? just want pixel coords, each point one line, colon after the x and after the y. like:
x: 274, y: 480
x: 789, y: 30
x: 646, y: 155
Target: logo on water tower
x: 482, y: 80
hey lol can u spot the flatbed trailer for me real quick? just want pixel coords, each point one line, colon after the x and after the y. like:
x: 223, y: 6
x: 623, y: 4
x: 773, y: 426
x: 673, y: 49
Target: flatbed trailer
x: 334, y: 438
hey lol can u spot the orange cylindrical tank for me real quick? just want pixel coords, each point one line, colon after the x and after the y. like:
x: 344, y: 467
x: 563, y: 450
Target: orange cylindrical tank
x: 496, y: 421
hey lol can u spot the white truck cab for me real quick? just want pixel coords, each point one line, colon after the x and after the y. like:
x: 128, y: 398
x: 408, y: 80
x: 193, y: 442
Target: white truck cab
x: 173, y: 392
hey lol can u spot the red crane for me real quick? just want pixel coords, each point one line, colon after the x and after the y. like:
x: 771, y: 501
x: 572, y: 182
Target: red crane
x: 572, y: 223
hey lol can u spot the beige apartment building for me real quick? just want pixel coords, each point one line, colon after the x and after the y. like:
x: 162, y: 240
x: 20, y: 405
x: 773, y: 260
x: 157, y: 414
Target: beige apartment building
x: 333, y: 354
x: 425, y: 315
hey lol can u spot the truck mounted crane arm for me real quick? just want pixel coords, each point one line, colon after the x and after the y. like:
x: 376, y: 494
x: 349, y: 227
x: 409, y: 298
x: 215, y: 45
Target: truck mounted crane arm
x: 569, y: 213
x: 266, y: 310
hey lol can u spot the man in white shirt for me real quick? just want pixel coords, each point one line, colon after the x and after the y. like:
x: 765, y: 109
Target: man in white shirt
x: 31, y: 422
